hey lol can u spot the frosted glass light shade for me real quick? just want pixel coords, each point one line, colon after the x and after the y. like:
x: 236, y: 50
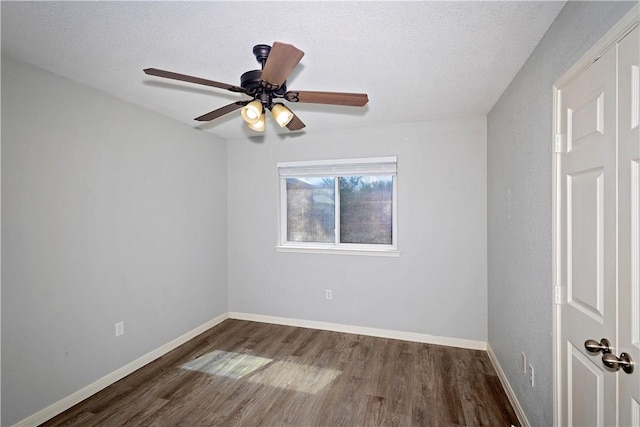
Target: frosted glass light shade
x: 281, y: 114
x: 252, y: 112
x: 259, y: 125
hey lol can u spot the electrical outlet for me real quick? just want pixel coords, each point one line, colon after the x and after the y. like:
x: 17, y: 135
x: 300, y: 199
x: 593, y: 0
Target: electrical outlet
x: 531, y: 377
x: 328, y: 294
x: 119, y: 328
x: 523, y: 363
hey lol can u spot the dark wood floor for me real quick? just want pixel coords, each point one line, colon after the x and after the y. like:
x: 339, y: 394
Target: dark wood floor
x: 243, y: 373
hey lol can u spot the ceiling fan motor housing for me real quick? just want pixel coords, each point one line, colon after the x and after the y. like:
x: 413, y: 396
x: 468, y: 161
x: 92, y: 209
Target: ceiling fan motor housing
x: 251, y: 81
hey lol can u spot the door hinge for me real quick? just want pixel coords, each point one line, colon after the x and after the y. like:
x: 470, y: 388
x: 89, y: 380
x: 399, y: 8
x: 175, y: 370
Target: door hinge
x: 560, y: 143
x: 558, y: 295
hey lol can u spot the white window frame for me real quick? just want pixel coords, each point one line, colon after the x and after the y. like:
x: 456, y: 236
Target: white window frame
x: 337, y: 168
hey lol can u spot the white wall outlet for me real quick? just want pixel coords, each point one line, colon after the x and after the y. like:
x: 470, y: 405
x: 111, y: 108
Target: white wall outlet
x: 523, y: 363
x: 119, y: 328
x: 531, y: 377
x: 328, y: 294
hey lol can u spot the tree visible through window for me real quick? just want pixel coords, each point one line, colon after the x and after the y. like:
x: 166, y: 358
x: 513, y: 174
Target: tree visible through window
x: 366, y: 212
x: 310, y: 210
x: 339, y: 209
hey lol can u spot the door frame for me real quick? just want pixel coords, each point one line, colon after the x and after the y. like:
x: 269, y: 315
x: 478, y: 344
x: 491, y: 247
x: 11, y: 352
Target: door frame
x: 558, y: 145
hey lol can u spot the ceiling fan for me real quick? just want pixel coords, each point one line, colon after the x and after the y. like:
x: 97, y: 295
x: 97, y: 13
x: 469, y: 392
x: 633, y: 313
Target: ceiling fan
x: 266, y: 87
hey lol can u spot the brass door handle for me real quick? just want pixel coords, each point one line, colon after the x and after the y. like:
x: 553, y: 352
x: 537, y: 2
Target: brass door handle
x: 624, y: 361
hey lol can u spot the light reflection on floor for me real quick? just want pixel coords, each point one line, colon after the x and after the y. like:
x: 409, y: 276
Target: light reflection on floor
x: 227, y: 364
x: 281, y: 374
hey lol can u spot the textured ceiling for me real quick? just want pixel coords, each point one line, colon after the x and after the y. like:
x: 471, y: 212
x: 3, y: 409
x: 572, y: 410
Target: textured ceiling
x: 415, y: 60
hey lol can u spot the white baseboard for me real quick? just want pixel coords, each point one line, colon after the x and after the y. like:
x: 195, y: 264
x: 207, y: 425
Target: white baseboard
x: 507, y: 387
x: 77, y: 397
x: 362, y: 330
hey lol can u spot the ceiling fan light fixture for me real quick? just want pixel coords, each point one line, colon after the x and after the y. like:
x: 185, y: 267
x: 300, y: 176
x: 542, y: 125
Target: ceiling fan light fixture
x: 281, y: 114
x: 259, y: 125
x: 252, y: 112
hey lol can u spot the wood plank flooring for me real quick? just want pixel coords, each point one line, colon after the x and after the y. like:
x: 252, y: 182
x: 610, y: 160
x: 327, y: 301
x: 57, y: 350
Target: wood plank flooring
x: 243, y: 373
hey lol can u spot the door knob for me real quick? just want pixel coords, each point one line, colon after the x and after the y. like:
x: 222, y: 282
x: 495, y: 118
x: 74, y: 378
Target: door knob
x: 624, y: 361
x: 594, y: 346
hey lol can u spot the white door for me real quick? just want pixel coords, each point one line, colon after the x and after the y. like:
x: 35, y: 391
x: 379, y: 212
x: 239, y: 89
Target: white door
x: 629, y: 223
x: 599, y: 244
x: 588, y: 241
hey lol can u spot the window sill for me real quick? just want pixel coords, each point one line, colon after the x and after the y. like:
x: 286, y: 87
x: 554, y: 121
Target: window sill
x: 339, y: 250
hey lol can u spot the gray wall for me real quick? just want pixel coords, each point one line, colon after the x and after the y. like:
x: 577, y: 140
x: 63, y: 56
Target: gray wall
x: 438, y: 284
x: 109, y: 213
x: 519, y: 157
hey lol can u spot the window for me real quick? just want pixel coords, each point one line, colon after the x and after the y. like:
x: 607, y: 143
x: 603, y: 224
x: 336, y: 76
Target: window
x: 339, y: 206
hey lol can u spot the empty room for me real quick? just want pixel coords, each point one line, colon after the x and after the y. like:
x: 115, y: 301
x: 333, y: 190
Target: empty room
x: 335, y: 213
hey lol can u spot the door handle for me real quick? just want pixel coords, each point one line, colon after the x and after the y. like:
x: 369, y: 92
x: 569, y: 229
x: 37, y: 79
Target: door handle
x: 624, y: 361
x: 594, y: 346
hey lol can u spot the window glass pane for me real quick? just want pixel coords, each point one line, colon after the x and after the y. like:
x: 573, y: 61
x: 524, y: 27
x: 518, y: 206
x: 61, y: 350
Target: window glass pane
x: 366, y: 209
x: 311, y: 209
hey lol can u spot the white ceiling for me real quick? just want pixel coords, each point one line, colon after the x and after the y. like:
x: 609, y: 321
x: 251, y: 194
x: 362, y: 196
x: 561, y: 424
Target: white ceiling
x: 415, y: 60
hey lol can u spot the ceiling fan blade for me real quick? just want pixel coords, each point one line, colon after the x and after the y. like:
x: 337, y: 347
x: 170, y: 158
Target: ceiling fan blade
x: 191, y: 79
x: 281, y: 61
x: 295, y: 123
x: 333, y: 98
x: 221, y: 111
